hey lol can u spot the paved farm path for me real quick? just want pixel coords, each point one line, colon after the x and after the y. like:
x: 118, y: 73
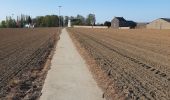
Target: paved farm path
x: 69, y: 77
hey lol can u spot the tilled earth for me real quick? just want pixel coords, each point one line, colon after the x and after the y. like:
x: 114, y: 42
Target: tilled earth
x: 138, y: 61
x: 22, y: 54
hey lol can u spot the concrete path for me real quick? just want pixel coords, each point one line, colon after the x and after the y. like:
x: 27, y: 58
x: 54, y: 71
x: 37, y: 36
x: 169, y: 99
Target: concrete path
x: 69, y: 77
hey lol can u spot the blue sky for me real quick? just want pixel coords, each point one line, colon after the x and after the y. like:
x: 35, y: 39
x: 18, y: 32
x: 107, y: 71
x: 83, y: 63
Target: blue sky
x: 137, y: 10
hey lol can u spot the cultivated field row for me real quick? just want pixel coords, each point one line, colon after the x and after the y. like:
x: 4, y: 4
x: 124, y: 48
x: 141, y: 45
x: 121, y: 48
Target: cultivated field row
x: 22, y: 50
x: 138, y: 61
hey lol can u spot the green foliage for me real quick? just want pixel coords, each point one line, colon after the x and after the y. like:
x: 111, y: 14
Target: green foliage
x: 91, y: 19
x: 39, y: 21
x: 61, y: 20
x: 22, y: 20
x: 47, y: 21
x: 10, y: 23
x: 3, y: 24
x: 29, y: 20
x: 107, y: 23
x: 66, y: 18
x: 81, y: 20
x: 77, y: 22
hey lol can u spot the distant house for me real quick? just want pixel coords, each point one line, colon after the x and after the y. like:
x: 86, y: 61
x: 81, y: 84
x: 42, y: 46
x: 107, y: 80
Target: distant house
x: 161, y: 23
x: 121, y: 23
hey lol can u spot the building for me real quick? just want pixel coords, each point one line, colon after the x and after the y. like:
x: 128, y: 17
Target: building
x: 161, y: 23
x: 141, y: 25
x: 29, y: 25
x: 121, y: 23
x: 69, y: 23
x: 118, y: 22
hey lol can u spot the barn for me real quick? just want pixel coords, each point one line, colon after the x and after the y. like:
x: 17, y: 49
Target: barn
x: 121, y: 23
x: 161, y: 23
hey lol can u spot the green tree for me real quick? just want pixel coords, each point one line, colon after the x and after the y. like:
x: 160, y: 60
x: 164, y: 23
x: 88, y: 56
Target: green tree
x: 54, y: 19
x: 29, y: 20
x: 38, y: 21
x: 47, y: 21
x: 10, y: 23
x: 91, y: 19
x: 61, y: 18
x: 81, y: 20
x: 3, y: 24
x: 66, y: 19
x: 107, y: 23
x: 75, y: 21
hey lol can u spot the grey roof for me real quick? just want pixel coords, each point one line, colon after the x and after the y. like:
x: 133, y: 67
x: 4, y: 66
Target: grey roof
x: 120, y: 18
x: 130, y: 23
x: 166, y: 19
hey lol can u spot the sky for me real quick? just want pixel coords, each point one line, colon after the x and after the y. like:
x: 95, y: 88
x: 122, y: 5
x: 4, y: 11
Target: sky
x: 105, y: 10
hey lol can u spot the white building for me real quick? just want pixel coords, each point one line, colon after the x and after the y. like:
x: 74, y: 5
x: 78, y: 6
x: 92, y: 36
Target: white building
x: 69, y: 23
x: 29, y: 26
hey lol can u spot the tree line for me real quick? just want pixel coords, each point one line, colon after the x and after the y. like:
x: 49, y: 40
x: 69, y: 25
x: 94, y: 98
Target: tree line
x: 49, y: 21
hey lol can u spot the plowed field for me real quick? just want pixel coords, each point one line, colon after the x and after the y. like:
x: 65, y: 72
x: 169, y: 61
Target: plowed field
x: 23, y: 49
x: 138, y: 61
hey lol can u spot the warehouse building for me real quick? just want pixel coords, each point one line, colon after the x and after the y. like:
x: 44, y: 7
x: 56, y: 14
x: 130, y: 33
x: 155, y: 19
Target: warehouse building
x: 161, y: 23
x: 121, y: 23
x: 142, y: 25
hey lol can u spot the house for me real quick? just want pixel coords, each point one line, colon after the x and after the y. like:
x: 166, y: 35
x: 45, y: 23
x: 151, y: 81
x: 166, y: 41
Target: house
x: 161, y: 23
x: 121, y: 23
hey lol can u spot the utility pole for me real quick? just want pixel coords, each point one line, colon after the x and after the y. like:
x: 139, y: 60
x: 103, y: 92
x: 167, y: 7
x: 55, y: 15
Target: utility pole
x: 59, y: 16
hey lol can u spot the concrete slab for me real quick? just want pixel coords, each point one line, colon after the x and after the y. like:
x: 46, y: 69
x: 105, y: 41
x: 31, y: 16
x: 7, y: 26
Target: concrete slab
x: 69, y: 77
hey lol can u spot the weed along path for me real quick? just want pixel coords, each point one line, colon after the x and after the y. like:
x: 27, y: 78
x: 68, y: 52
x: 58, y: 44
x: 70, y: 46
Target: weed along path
x: 69, y: 77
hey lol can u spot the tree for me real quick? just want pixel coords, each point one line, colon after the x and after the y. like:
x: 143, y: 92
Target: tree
x: 38, y: 21
x: 66, y: 19
x: 61, y: 18
x: 29, y: 20
x: 54, y: 19
x: 3, y: 24
x: 22, y: 20
x: 91, y: 19
x: 10, y: 23
x: 80, y: 20
x: 47, y: 21
x: 107, y: 23
x: 76, y: 21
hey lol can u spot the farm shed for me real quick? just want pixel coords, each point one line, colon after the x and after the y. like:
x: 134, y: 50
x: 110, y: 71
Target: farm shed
x: 141, y: 25
x: 119, y: 22
x: 161, y: 23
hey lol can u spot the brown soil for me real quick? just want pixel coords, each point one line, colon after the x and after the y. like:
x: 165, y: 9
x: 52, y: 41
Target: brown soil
x: 137, y: 62
x: 102, y: 80
x: 25, y: 55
